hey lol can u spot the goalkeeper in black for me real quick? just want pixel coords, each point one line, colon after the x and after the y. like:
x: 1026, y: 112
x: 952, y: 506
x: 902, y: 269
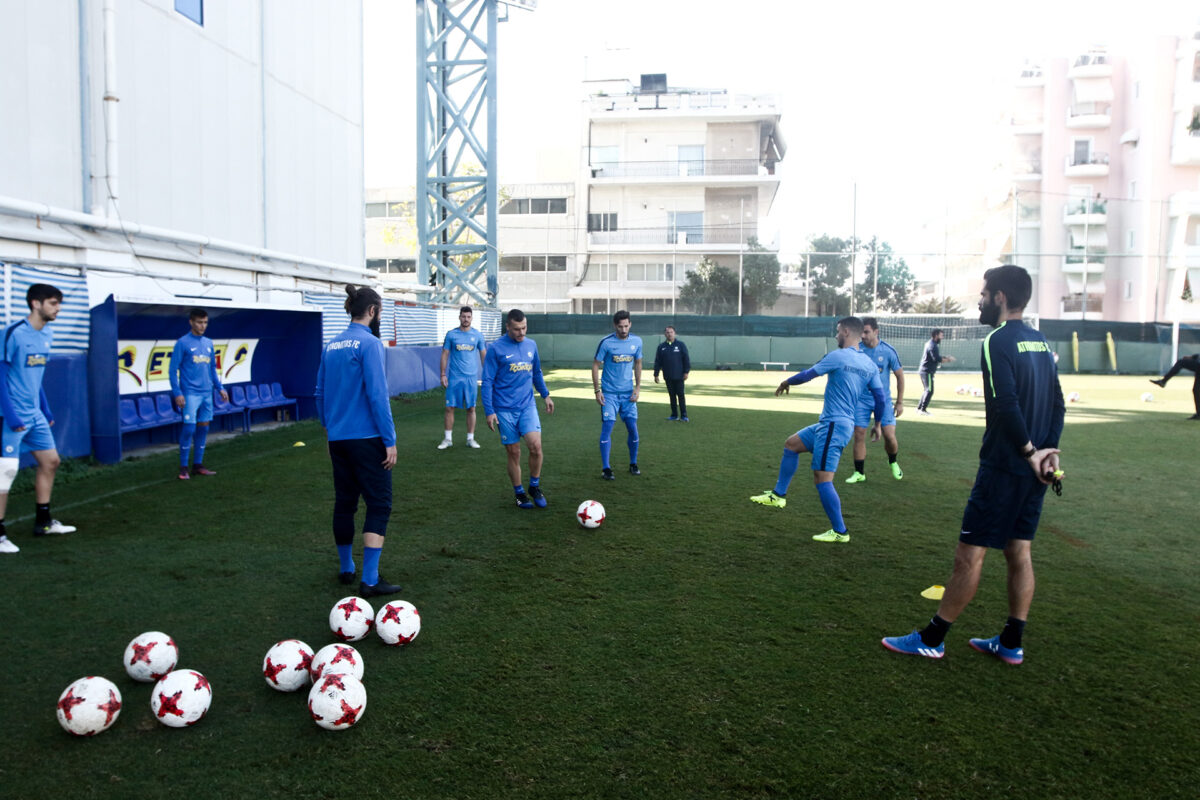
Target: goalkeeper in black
x: 1018, y: 459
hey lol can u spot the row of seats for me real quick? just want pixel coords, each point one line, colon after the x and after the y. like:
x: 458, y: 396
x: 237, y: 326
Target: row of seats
x: 156, y: 410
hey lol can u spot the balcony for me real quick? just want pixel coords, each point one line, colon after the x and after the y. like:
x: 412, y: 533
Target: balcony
x: 1091, y: 65
x: 1026, y: 125
x: 1074, y: 304
x: 1091, y: 165
x: 677, y: 169
x: 1075, y: 264
x: 1085, y: 212
x: 1089, y: 116
x: 666, y: 239
x: 1027, y: 170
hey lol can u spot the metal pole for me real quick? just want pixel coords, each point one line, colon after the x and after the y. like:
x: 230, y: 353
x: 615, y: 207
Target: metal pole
x: 674, y: 250
x: 945, y: 255
x: 853, y: 250
x: 807, y: 281
x: 741, y: 249
x: 875, y: 284
x: 1086, y: 218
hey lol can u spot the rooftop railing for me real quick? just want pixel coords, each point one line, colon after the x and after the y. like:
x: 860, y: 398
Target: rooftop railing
x: 1085, y: 207
x: 675, y: 169
x: 659, y: 237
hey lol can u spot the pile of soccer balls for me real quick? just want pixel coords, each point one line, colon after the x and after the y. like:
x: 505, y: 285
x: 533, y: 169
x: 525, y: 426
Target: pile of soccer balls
x: 181, y: 697
x: 338, y: 698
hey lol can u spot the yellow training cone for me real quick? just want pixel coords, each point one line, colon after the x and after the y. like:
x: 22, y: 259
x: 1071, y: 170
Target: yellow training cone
x: 934, y: 592
x: 298, y: 444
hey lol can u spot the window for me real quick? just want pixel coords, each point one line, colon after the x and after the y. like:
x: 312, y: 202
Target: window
x: 401, y: 209
x: 514, y: 264
x: 649, y: 272
x: 649, y: 305
x: 539, y: 205
x: 1196, y: 68
x: 1129, y: 240
x: 691, y: 159
x: 602, y: 272
x: 377, y: 264
x: 1132, y: 190
x: 686, y: 227
x: 602, y: 222
x: 558, y: 205
x: 192, y: 9
x: 593, y: 306
x: 556, y: 264
x: 1128, y: 290
x: 533, y: 263
x: 536, y: 205
x: 376, y: 209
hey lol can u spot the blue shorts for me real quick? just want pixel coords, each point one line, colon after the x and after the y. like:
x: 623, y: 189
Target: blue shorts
x: 1002, y: 506
x: 825, y: 441
x: 862, y: 414
x: 197, y: 408
x: 618, y: 405
x: 36, y: 436
x: 461, y: 392
x: 515, y: 423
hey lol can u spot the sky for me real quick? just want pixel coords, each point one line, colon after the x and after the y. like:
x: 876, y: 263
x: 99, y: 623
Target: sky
x: 896, y: 104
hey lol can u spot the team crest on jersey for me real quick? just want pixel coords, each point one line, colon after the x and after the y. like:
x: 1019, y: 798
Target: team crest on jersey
x: 35, y: 360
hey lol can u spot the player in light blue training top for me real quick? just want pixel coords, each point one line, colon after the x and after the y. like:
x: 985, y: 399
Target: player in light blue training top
x: 462, y: 355
x: 194, y: 375
x: 27, y: 417
x: 511, y: 371
x: 850, y: 373
x: 620, y: 356
x: 887, y: 360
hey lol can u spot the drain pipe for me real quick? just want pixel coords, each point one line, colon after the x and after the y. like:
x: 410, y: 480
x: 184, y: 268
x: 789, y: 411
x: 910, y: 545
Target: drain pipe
x: 85, y: 113
x: 110, y: 107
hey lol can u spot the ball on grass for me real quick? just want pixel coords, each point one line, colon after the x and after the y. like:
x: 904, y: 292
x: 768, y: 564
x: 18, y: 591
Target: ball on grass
x: 351, y: 618
x: 337, y: 701
x: 150, y: 655
x: 590, y: 514
x: 336, y: 658
x: 89, y: 706
x: 398, y: 623
x: 286, y: 665
x: 181, y: 698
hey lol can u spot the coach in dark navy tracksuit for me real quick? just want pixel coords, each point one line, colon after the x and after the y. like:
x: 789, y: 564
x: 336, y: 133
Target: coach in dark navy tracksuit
x: 672, y: 360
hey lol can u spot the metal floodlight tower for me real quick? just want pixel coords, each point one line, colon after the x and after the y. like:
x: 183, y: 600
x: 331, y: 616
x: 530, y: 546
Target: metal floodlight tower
x: 457, y: 191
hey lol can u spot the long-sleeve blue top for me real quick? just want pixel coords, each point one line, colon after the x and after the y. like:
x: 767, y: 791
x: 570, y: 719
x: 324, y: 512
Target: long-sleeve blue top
x: 193, y: 368
x: 1022, y: 396
x: 850, y: 374
x: 511, y: 371
x: 352, y: 394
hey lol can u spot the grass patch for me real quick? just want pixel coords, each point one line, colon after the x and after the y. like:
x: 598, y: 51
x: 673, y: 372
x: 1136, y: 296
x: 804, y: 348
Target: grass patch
x: 695, y: 646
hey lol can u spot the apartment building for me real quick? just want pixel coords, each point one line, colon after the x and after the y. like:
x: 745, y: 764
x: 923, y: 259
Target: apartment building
x: 1103, y: 200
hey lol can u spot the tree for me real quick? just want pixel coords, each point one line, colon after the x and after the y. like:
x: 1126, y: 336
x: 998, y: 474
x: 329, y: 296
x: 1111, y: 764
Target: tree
x: 760, y: 278
x: 710, y: 289
x: 829, y: 270
x: 934, y: 306
x: 896, y: 283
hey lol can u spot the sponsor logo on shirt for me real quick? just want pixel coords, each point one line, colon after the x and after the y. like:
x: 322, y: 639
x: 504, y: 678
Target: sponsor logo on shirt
x: 521, y: 366
x: 621, y: 359
x: 201, y: 358
x: 35, y: 360
x: 464, y: 347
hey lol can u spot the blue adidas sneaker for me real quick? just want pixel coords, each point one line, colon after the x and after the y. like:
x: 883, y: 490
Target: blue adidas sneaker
x: 1009, y: 655
x: 913, y: 646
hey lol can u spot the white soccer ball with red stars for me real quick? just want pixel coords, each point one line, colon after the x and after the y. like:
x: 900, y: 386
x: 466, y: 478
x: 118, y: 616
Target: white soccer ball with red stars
x: 150, y: 656
x: 1073, y: 397
x: 351, y: 619
x: 88, y: 706
x: 590, y: 514
x: 398, y: 623
x: 336, y: 658
x: 181, y: 698
x: 337, y: 701
x: 286, y: 665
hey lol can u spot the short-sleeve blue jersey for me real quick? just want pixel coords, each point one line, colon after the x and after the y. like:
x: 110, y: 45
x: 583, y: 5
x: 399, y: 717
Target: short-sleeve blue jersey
x: 849, y: 374
x: 464, y: 347
x: 618, y: 357
x: 193, y: 368
x: 352, y: 393
x: 511, y: 371
x: 26, y: 352
x: 885, y: 357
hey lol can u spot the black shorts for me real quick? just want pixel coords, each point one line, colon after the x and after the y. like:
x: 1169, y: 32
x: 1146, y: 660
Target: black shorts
x: 1002, y: 506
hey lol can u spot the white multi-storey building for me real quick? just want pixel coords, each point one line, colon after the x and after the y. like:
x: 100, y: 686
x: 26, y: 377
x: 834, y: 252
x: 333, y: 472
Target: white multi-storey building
x: 199, y: 149
x: 1105, y: 174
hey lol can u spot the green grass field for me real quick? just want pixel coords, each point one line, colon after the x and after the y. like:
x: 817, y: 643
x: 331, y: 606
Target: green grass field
x: 696, y: 646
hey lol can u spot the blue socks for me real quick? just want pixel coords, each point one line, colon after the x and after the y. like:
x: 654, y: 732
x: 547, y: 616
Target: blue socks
x: 534, y: 482
x: 346, y: 557
x: 198, y: 443
x: 632, y: 439
x: 186, y: 432
x: 371, y: 556
x: 606, y: 441
x: 787, y: 468
x: 832, y: 505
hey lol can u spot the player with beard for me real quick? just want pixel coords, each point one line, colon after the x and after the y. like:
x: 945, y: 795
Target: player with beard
x: 1018, y: 459
x: 352, y: 402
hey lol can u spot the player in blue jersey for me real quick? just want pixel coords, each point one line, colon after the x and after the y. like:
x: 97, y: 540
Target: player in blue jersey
x: 27, y: 417
x: 463, y: 352
x: 511, y: 371
x: 885, y: 357
x: 620, y: 356
x: 850, y: 373
x: 1019, y: 458
x: 193, y: 373
x: 352, y: 402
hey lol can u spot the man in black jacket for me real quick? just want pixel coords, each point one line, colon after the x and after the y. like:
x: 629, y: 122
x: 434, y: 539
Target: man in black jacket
x: 672, y: 360
x: 1191, y: 362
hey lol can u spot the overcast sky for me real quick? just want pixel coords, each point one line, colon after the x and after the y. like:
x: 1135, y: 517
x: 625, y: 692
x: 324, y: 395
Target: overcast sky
x: 900, y: 98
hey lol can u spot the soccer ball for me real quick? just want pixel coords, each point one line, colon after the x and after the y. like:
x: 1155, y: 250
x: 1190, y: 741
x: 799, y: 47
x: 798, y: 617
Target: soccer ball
x: 150, y: 656
x: 398, y: 623
x: 181, y: 698
x: 351, y: 618
x: 337, y: 701
x: 1073, y: 397
x: 287, y: 664
x: 88, y: 706
x: 336, y: 658
x: 976, y: 391
x: 590, y: 514
x: 963, y: 389
x: 1147, y: 397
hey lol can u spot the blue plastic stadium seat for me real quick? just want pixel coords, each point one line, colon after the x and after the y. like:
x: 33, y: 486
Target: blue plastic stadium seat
x: 218, y: 403
x: 252, y: 397
x: 166, y: 409
x: 264, y: 394
x: 237, y: 396
x: 147, y: 411
x: 129, y: 415
x: 277, y: 393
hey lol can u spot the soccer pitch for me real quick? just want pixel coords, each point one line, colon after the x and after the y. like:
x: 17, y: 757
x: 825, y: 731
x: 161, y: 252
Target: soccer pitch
x: 694, y: 646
